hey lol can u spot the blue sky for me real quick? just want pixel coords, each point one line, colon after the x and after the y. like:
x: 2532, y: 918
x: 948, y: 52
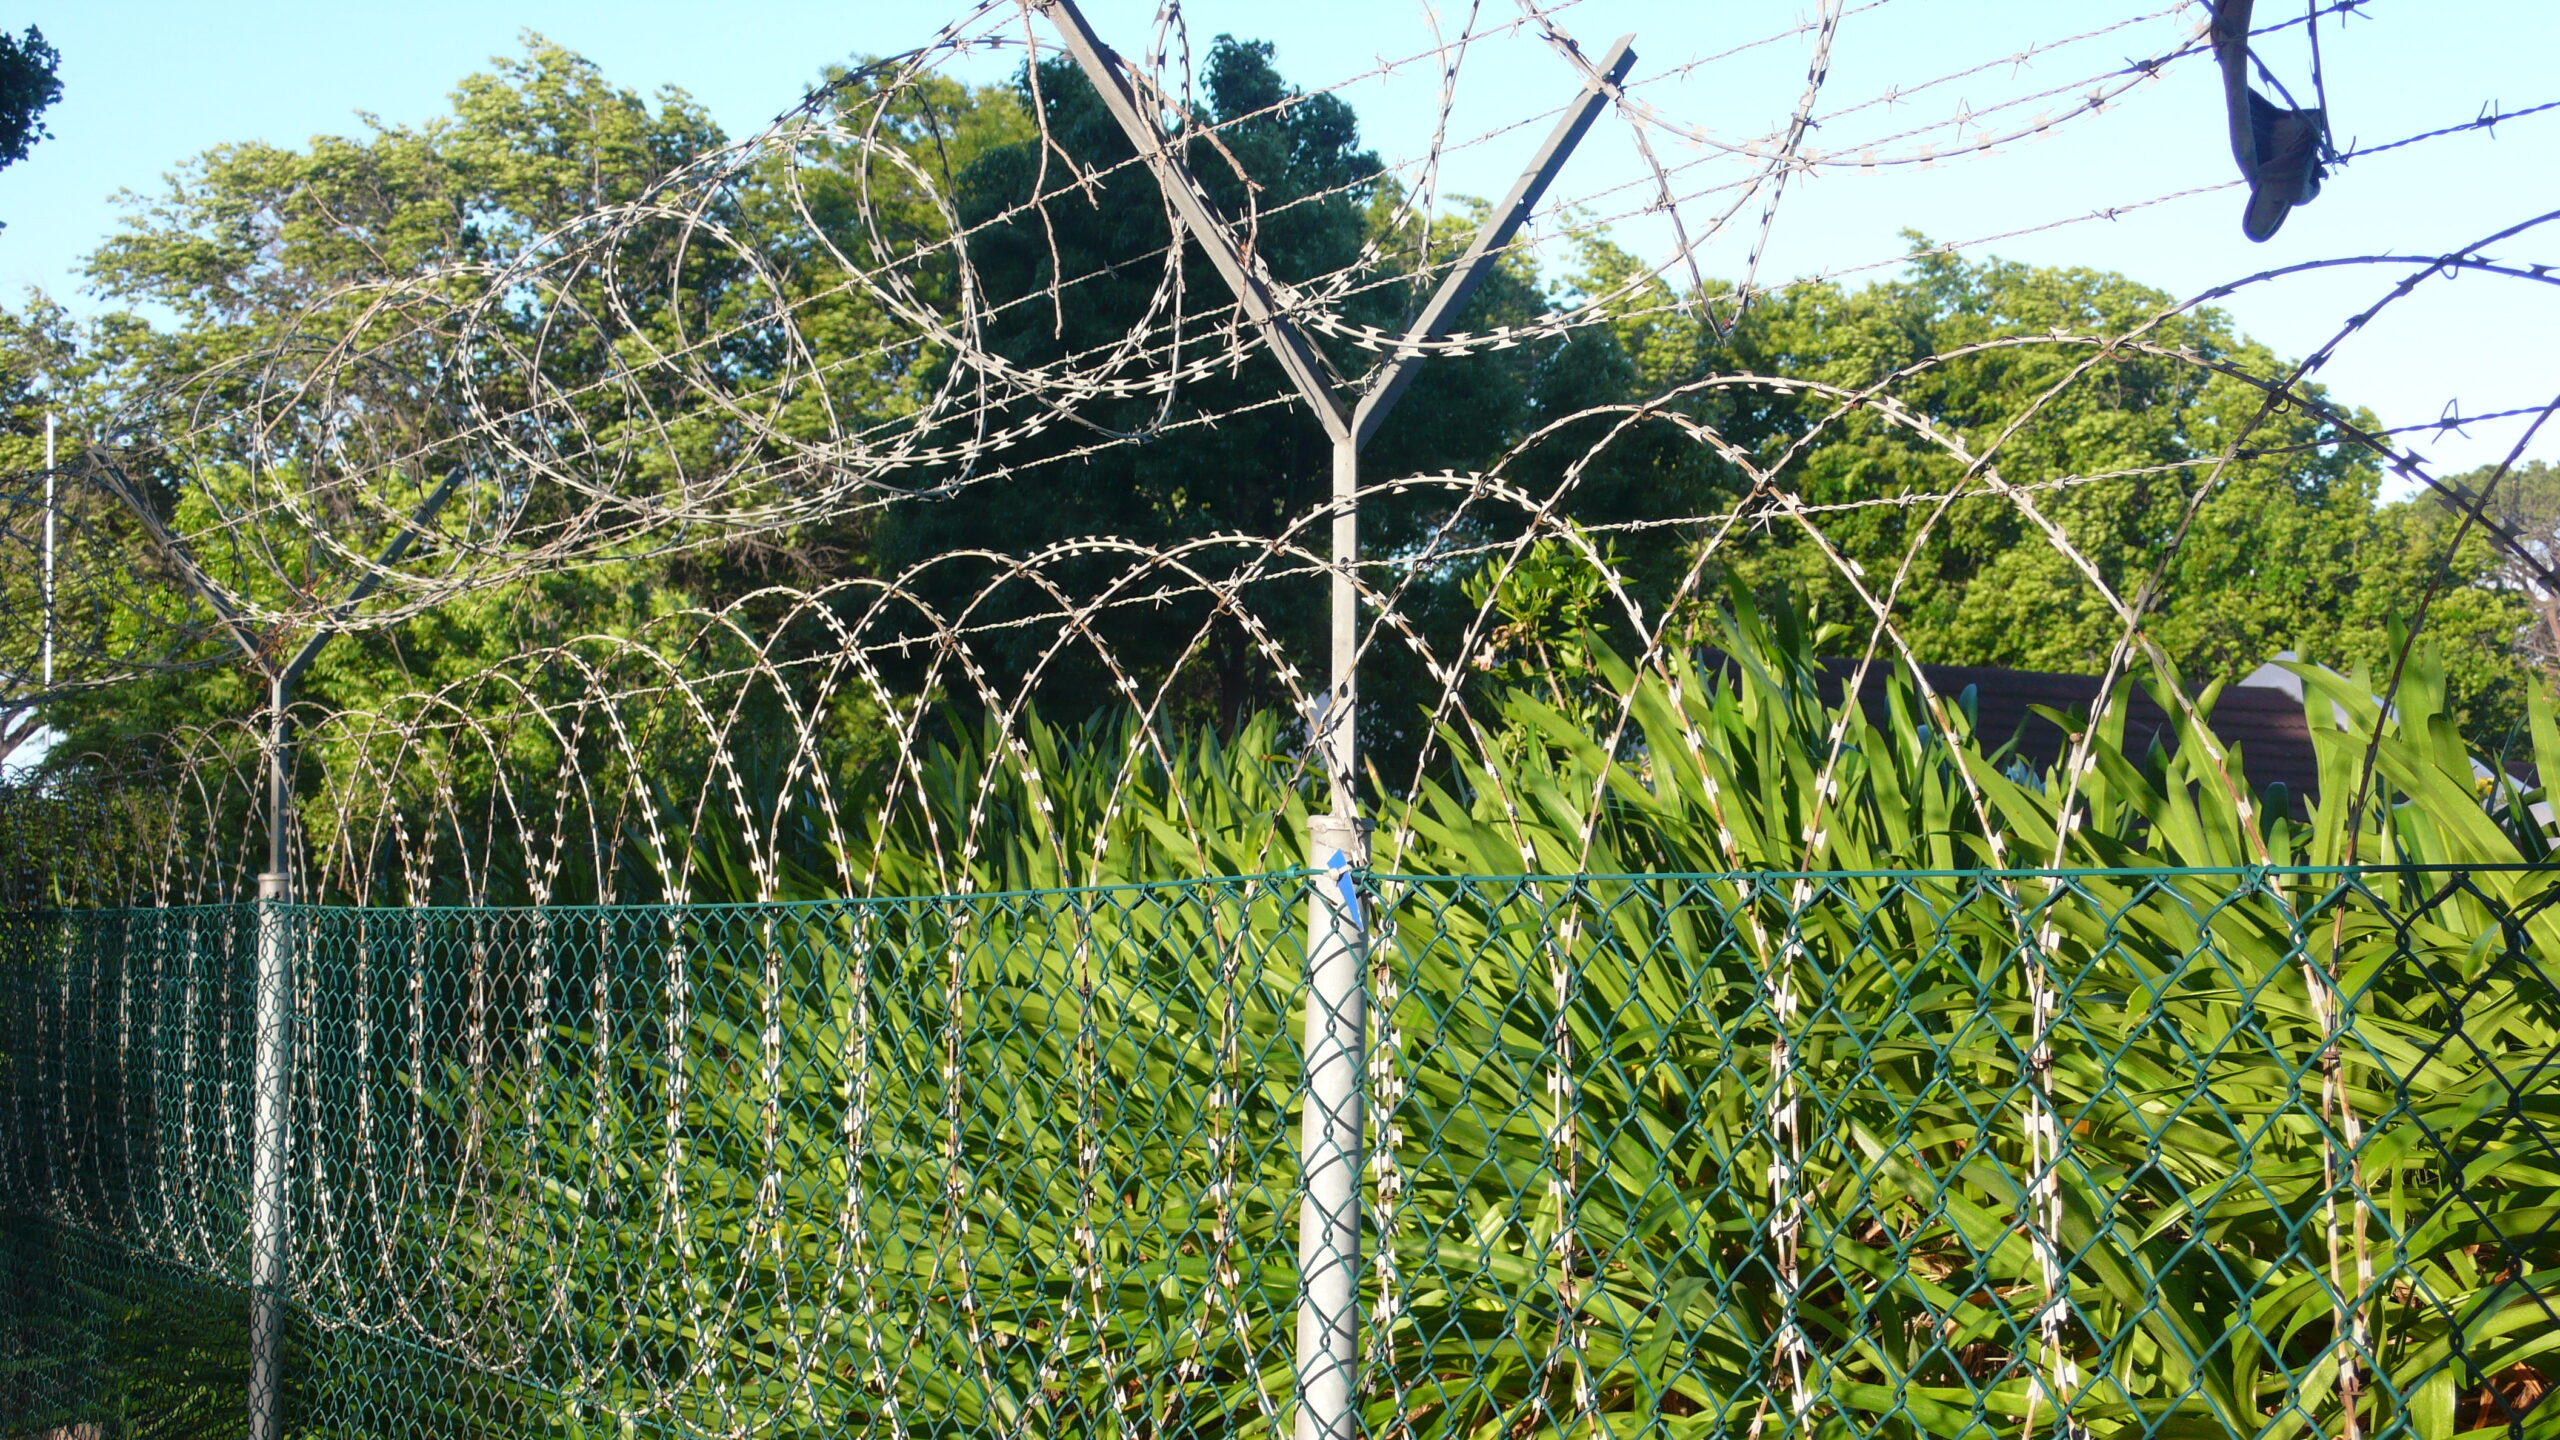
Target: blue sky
x: 149, y: 83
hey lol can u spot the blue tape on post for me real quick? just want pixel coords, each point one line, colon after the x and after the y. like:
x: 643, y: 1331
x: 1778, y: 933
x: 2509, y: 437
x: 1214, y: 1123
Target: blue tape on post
x: 1341, y: 864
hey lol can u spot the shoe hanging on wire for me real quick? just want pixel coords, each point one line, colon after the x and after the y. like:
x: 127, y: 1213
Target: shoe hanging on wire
x: 2280, y: 147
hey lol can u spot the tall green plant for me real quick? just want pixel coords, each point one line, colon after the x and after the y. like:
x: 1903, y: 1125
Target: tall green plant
x: 1804, y: 1121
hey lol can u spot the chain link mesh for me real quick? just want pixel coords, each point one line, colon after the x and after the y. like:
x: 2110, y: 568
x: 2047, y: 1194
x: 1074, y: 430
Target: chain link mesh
x: 1021, y: 1164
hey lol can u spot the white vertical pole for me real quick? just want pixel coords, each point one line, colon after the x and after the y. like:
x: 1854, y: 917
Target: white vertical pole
x: 271, y: 1111
x: 1340, y: 742
x: 48, y: 550
x: 1329, y: 1137
x: 1337, y: 1025
x: 267, y: 1237
x: 270, y: 1096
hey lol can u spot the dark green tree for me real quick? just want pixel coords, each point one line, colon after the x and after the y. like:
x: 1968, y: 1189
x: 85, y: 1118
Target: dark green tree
x: 28, y: 87
x: 1231, y: 452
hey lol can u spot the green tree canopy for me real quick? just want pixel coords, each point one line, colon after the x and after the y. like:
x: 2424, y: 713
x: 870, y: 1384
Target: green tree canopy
x: 2252, y: 525
x: 2271, y: 520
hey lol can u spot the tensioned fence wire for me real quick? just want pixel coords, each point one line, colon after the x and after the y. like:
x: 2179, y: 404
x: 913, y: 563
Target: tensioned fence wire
x: 1650, y: 1155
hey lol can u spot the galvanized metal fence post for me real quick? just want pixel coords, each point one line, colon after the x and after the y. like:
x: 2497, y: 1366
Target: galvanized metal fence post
x: 1329, y: 1136
x: 272, y: 1083
x: 270, y: 1089
x: 1337, y: 1002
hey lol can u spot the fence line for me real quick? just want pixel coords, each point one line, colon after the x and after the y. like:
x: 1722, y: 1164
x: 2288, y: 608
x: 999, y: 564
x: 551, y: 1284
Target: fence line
x: 1022, y: 1164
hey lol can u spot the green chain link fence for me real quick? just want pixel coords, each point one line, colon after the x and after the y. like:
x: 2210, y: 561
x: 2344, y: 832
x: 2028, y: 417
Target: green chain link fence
x: 2155, y: 1153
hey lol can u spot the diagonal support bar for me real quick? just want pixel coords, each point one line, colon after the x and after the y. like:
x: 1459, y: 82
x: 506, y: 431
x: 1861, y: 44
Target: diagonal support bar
x: 281, y: 682
x: 1494, y: 234
x: 175, y: 550
x: 390, y: 556
x: 1253, y: 290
